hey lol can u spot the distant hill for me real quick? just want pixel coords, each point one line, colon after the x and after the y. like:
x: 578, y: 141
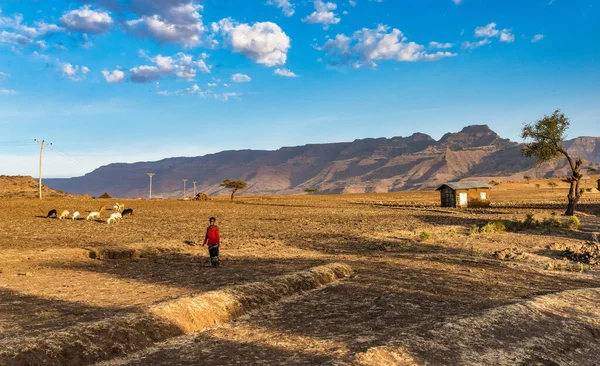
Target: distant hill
x: 368, y: 165
x: 24, y: 187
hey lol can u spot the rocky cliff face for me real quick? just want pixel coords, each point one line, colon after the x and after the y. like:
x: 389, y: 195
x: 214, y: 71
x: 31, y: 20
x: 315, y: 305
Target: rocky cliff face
x: 367, y: 165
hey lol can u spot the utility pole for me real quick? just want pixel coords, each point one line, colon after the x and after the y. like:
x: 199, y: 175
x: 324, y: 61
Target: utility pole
x: 151, y: 175
x: 42, y: 144
x: 184, y: 181
x: 194, y: 189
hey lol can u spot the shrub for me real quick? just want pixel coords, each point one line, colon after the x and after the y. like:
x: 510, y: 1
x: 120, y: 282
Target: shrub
x: 530, y: 221
x: 573, y: 223
x: 425, y: 235
x: 474, y: 230
x: 552, y: 221
x: 311, y: 190
x: 494, y: 183
x: 489, y: 228
x: 493, y: 227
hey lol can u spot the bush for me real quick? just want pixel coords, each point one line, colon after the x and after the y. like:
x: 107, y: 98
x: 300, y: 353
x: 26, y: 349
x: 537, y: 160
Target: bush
x: 552, y: 221
x: 425, y: 235
x: 311, y: 190
x: 474, y: 230
x: 489, y: 228
x: 530, y: 221
x: 573, y: 223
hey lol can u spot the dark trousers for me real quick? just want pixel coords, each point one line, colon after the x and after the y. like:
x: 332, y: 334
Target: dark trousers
x: 213, y: 251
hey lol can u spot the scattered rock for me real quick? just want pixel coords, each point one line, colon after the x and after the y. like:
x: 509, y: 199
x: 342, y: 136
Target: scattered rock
x: 587, y: 253
x: 28, y: 274
x: 509, y: 254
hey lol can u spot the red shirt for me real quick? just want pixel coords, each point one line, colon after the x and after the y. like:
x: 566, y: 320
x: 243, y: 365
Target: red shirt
x: 212, y: 235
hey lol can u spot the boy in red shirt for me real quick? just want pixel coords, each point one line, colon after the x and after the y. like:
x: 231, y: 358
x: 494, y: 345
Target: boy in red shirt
x: 213, y: 240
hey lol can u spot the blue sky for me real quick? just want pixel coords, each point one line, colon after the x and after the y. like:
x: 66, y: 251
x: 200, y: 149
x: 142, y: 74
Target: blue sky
x: 129, y: 80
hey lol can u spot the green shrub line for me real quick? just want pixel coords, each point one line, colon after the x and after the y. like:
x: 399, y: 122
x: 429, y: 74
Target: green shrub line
x: 529, y: 222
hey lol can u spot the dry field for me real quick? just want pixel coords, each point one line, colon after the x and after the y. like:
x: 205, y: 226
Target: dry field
x: 420, y: 277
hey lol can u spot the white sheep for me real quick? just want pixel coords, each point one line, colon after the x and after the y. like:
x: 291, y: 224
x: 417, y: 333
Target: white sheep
x: 95, y: 214
x: 75, y: 215
x: 64, y: 215
x: 114, y: 218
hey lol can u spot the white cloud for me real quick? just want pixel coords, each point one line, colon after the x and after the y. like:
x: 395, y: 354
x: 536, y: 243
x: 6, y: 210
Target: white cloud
x: 352, y: 3
x: 15, y: 23
x: 226, y: 96
x: 366, y: 46
x: 285, y: 5
x: 240, y: 78
x: 74, y: 72
x: 115, y: 76
x: 212, y: 84
x: 86, y: 20
x: 45, y: 28
x: 181, y: 65
x: 16, y: 33
x: 264, y: 43
x: 457, y: 2
x: 537, y: 38
x: 173, y: 22
x: 473, y: 45
x: 323, y: 14
x: 196, y: 90
x: 507, y: 36
x: 285, y: 73
x: 487, y: 31
x: 7, y: 92
x: 442, y: 46
x: 438, y: 56
x: 14, y: 39
x: 145, y: 73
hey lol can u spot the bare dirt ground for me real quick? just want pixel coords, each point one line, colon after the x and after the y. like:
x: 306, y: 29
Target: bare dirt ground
x: 416, y: 266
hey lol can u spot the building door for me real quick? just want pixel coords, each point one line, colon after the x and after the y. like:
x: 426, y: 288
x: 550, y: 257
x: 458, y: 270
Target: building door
x: 463, y: 199
x: 483, y: 196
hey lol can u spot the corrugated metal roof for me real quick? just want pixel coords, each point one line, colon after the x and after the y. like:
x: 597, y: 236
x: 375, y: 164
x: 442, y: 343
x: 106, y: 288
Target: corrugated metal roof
x: 465, y: 185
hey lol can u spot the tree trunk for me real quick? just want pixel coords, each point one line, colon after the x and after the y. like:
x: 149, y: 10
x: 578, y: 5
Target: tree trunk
x: 233, y: 193
x: 574, y: 196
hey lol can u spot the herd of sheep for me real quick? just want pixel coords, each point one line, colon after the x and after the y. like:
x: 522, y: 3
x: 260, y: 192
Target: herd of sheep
x: 117, y: 216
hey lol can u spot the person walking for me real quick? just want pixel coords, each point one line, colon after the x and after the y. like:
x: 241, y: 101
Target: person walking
x: 213, y: 240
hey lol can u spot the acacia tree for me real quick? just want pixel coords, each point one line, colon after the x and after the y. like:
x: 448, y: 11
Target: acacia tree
x: 547, y: 136
x: 235, y: 185
x: 527, y: 178
x: 552, y: 185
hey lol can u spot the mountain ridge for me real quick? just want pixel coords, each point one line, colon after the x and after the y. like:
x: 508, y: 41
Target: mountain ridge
x: 364, y: 165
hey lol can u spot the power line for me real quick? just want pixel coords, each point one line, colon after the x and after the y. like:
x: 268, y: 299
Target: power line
x: 64, y: 154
